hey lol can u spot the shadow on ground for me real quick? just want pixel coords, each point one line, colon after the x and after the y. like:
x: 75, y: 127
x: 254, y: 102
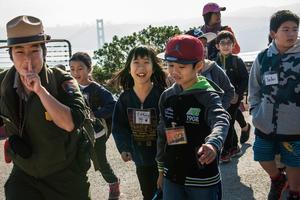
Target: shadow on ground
x: 233, y: 188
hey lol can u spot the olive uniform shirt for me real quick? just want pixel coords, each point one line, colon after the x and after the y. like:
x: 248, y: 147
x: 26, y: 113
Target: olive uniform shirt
x: 53, y: 149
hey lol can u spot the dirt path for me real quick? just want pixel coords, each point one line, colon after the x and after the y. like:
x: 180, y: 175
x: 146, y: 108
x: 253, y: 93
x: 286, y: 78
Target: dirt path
x: 243, y: 179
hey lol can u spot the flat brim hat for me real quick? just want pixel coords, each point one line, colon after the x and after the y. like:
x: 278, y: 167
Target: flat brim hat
x: 199, y: 34
x: 212, y: 7
x: 24, y: 30
x: 184, y: 49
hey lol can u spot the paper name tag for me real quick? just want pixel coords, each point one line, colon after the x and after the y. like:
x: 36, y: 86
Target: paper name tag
x: 142, y: 117
x: 271, y: 79
x: 176, y: 136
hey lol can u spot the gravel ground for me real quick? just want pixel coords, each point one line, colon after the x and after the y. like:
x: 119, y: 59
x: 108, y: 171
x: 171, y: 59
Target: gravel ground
x: 243, y: 179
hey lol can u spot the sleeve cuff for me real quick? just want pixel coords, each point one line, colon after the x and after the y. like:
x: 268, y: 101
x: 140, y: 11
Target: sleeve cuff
x: 216, y: 143
x: 160, y: 166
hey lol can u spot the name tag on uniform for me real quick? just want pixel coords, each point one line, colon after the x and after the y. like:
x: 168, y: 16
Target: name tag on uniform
x: 271, y: 78
x: 176, y: 136
x: 142, y: 116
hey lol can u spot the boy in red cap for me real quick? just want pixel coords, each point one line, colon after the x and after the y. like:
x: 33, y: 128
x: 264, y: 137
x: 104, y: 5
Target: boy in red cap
x: 193, y: 126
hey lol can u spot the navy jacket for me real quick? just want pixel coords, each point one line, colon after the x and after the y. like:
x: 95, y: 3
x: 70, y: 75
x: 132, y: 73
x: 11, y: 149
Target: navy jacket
x: 139, y: 139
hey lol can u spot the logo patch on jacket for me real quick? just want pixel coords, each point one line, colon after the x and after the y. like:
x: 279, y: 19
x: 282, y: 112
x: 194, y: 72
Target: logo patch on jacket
x: 192, y: 115
x: 70, y: 86
x: 169, y: 113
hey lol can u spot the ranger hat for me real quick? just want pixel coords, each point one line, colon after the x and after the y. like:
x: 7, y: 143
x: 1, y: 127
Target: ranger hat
x: 184, y: 49
x: 23, y: 30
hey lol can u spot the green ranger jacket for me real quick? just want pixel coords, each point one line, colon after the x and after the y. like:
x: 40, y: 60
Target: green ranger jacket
x: 53, y: 148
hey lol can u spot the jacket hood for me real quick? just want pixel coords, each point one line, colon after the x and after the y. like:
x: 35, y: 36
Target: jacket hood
x: 293, y: 49
x: 208, y: 66
x: 202, y: 85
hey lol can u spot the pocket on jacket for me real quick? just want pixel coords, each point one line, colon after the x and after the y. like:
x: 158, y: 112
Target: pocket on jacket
x: 288, y: 120
x: 262, y: 117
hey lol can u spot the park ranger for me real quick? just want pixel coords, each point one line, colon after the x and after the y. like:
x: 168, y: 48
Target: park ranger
x: 42, y: 110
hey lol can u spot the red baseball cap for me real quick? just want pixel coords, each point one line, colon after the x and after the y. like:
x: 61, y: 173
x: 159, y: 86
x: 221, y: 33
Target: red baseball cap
x: 212, y: 7
x: 184, y: 49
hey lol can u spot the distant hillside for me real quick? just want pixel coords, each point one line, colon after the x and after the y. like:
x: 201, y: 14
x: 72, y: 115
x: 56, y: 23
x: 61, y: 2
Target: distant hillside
x: 250, y: 26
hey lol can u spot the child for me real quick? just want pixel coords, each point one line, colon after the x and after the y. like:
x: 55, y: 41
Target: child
x: 193, y: 126
x: 238, y: 76
x: 212, y: 18
x: 274, y: 99
x: 102, y: 103
x: 136, y: 112
x: 211, y: 70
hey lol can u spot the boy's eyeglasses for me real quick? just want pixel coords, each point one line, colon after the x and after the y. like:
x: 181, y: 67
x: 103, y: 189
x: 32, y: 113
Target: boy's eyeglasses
x: 224, y: 43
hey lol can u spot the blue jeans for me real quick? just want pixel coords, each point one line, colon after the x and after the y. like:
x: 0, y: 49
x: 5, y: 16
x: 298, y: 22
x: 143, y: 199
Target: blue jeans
x: 173, y: 191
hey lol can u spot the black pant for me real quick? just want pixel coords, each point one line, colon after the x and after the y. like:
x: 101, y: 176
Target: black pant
x: 147, y: 176
x: 231, y: 139
x: 240, y: 118
x: 105, y: 168
x: 68, y: 184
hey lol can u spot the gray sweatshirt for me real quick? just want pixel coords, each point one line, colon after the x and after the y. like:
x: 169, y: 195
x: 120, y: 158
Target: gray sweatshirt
x: 275, y: 108
x: 214, y: 72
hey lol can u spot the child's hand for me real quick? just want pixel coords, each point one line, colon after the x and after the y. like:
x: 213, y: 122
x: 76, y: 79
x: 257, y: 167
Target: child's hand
x: 160, y: 180
x: 207, y: 153
x: 126, y: 156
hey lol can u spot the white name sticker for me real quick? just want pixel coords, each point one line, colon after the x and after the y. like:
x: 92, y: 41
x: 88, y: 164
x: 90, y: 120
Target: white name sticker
x: 271, y: 79
x: 142, y: 117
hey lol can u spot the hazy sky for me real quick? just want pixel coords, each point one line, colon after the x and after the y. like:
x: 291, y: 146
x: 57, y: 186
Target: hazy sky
x: 64, y: 12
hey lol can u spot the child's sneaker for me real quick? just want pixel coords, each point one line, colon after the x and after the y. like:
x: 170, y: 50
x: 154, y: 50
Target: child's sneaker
x: 235, y: 151
x: 277, y: 187
x: 7, y: 157
x: 114, y: 190
x: 245, y: 134
x: 225, y: 157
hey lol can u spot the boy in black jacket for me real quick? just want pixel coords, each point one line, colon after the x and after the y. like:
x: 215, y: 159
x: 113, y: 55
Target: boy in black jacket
x: 193, y: 126
x: 236, y: 71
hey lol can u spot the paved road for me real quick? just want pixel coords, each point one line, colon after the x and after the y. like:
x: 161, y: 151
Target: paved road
x: 243, y: 179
